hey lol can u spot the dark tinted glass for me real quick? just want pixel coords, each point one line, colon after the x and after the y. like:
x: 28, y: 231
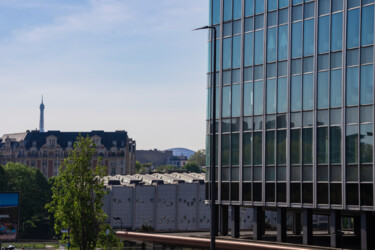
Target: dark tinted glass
x: 352, y: 194
x: 366, y: 55
x: 225, y: 191
x: 270, y: 192
x: 352, y: 57
x: 323, y: 193
x: 323, y: 62
x: 246, y: 191
x: 367, y: 195
x: 336, y: 60
x: 295, y: 192
x: 335, y: 193
x: 234, y: 191
x: 281, y: 121
x: 257, y: 194
x: 307, y: 193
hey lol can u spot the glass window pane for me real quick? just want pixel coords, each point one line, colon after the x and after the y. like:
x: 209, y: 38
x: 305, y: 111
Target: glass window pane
x: 295, y: 120
x: 336, y: 5
x: 308, y: 64
x: 336, y: 32
x: 271, y: 45
x: 258, y: 47
x: 367, y: 26
x: 237, y: 9
x: 249, y: 7
x: 367, y: 195
x: 352, y: 57
x: 225, y: 125
x: 272, y: 5
x: 295, y: 146
x: 309, y: 10
x: 271, y: 96
x: 296, y: 93
x: 335, y: 117
x: 248, y: 74
x: 353, y: 3
x: 248, y: 49
x: 308, y: 37
x: 257, y: 148
x: 249, y: 24
x: 283, y: 42
x: 270, y: 147
x: 366, y: 113
x: 352, y: 144
x: 297, y: 13
x: 335, y: 145
x: 352, y: 85
x: 281, y: 147
x: 322, y: 145
x: 308, y: 119
x: 227, y: 10
x: 336, y: 86
x: 259, y: 6
x: 227, y: 77
x: 258, y: 122
x: 366, y: 173
x: 235, y: 124
x: 283, y: 16
x: 236, y: 27
x: 271, y: 70
x: 335, y: 173
x: 281, y: 173
x: 227, y: 53
x: 259, y: 21
x: 336, y: 60
x: 236, y: 100
x: 270, y: 122
x: 247, y: 140
x: 283, y: 3
x: 353, y: 28
x: 308, y: 90
x: 323, y: 62
x: 216, y: 12
x: 366, y: 143
x: 307, y: 173
x: 236, y: 59
x: 282, y: 68
x: 272, y: 19
x: 258, y: 72
x: 236, y: 76
x: 322, y: 117
x: 324, y: 7
x: 258, y: 98
x: 282, y: 95
x: 296, y: 66
x: 227, y: 29
x: 367, y: 84
x: 323, y: 81
x: 323, y: 36
x: 352, y: 115
x: 235, y: 149
x: 307, y: 145
x: 225, y: 149
x: 307, y: 193
x: 226, y: 102
x: 366, y: 55
x: 248, y: 99
x: 296, y: 40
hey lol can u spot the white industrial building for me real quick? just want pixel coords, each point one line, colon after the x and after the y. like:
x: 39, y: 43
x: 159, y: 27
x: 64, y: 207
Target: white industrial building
x: 165, y: 202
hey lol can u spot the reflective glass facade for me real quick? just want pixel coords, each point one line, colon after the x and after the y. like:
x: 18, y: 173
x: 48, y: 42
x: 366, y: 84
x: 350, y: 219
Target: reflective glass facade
x: 295, y: 102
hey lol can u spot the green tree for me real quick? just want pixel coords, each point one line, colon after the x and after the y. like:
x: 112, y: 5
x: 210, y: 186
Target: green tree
x: 35, y: 193
x: 199, y: 158
x: 192, y: 167
x: 138, y: 167
x: 78, y: 193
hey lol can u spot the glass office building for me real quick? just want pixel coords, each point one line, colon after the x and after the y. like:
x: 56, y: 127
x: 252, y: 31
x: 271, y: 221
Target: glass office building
x: 295, y: 104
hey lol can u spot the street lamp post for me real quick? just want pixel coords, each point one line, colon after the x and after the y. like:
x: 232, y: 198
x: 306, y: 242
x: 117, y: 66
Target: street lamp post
x: 118, y: 218
x: 213, y: 228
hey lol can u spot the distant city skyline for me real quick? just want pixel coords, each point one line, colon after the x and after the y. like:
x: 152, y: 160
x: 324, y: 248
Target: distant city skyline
x: 106, y: 65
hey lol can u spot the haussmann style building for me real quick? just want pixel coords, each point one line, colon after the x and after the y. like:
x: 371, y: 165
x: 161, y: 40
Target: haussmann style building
x: 294, y: 112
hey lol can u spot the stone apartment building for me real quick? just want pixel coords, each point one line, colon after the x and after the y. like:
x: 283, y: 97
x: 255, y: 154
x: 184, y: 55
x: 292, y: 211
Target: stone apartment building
x: 47, y: 150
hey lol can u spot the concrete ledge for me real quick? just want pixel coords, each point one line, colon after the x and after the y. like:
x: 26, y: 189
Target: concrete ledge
x: 199, y: 242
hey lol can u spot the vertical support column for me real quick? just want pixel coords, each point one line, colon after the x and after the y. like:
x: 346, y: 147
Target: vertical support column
x: 335, y: 228
x: 258, y: 221
x: 223, y: 220
x: 307, y: 226
x: 281, y: 224
x: 366, y: 231
x: 216, y: 224
x: 235, y: 221
x: 296, y: 228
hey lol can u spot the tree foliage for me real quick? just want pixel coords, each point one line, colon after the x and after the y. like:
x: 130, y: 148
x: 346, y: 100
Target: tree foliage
x: 199, y: 158
x: 78, y: 193
x: 35, y: 192
x: 192, y: 167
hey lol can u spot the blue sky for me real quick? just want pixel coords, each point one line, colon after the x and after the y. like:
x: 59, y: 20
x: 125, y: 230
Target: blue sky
x: 131, y: 65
